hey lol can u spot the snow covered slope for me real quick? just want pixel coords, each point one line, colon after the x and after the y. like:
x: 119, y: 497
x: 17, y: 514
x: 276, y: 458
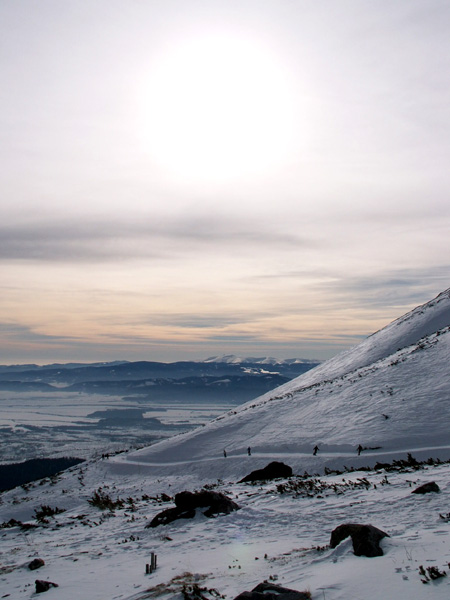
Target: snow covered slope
x: 405, y: 331
x: 391, y: 394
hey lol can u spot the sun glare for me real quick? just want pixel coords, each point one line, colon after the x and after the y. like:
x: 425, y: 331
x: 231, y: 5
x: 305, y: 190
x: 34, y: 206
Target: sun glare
x: 216, y: 109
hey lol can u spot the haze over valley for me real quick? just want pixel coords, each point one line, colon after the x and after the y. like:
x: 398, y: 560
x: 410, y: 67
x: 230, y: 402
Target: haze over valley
x: 85, y: 410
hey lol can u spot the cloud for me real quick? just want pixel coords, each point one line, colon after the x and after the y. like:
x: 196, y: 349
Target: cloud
x: 396, y: 287
x: 22, y: 333
x: 381, y: 288
x: 21, y: 343
x: 78, y: 241
x: 192, y: 321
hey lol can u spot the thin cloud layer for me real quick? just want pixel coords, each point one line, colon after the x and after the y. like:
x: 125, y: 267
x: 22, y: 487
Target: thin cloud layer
x: 77, y: 241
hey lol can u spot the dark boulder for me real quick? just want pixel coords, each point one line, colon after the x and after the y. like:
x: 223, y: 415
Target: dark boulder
x: 186, y: 504
x: 44, y: 586
x: 270, y: 591
x: 274, y: 470
x: 365, y: 538
x: 426, y: 488
x: 216, y: 502
x: 37, y: 563
x: 169, y: 515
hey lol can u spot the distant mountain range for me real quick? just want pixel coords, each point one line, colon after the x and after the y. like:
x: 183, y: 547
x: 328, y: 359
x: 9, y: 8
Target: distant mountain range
x: 227, y: 377
x: 265, y: 360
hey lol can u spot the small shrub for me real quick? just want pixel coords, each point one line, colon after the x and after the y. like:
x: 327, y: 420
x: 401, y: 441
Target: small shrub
x: 102, y: 500
x: 45, y: 511
x: 192, y: 591
x: 430, y: 573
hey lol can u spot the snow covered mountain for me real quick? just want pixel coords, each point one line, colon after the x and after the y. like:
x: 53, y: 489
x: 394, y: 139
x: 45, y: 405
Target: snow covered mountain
x: 260, y: 360
x: 390, y: 395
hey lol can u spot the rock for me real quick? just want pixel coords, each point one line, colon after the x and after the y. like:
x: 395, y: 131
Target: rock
x: 217, y: 502
x: 186, y: 504
x: 169, y: 515
x: 269, y: 591
x: 365, y: 538
x: 426, y: 488
x: 195, y: 592
x: 44, y: 586
x: 37, y: 563
x: 274, y: 470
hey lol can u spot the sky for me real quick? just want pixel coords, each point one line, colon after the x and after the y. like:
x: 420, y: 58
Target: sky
x: 182, y: 179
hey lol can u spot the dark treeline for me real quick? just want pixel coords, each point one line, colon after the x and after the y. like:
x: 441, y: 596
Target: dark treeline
x: 37, y: 468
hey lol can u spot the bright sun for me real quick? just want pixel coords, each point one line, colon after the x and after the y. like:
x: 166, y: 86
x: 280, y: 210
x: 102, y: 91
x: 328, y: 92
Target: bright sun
x: 216, y: 109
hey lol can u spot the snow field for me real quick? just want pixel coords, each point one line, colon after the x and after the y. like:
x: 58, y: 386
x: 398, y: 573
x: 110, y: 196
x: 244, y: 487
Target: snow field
x: 103, y: 554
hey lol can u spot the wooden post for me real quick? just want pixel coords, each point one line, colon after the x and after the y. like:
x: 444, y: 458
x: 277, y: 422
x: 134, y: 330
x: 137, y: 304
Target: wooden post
x: 149, y: 568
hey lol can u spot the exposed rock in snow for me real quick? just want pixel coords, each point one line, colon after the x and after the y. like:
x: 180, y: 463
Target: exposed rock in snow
x: 44, y: 586
x: 426, y: 488
x: 273, y: 470
x: 270, y: 591
x: 186, y: 504
x: 365, y: 538
x: 37, y: 563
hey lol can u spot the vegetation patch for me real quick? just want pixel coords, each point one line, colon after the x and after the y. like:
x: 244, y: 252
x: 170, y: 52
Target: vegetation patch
x: 43, y: 513
x: 309, y: 487
x: 13, y: 523
x: 103, y: 501
x: 430, y: 574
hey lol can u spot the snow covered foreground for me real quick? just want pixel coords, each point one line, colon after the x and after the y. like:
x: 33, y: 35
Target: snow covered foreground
x: 401, y: 372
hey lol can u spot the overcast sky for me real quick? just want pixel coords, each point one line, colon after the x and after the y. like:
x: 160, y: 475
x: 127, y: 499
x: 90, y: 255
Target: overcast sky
x: 180, y: 179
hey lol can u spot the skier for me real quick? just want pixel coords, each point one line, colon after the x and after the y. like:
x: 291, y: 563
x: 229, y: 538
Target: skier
x: 224, y: 453
x: 316, y: 448
x: 249, y: 451
x: 360, y: 449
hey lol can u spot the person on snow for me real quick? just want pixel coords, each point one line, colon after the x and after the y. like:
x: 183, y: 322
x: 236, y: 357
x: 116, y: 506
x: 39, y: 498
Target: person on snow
x: 360, y: 449
x: 249, y: 451
x: 316, y: 448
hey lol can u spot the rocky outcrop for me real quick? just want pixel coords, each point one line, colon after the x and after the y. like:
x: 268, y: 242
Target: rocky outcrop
x: 216, y: 502
x: 426, y: 488
x: 274, y: 470
x: 269, y: 591
x: 186, y: 504
x: 365, y: 538
x: 37, y: 563
x: 169, y: 515
x: 44, y: 586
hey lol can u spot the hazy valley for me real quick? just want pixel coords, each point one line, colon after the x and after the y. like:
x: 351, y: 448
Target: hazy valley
x: 88, y: 410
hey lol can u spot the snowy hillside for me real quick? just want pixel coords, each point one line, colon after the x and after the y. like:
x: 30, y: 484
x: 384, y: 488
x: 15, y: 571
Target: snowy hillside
x: 390, y: 394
